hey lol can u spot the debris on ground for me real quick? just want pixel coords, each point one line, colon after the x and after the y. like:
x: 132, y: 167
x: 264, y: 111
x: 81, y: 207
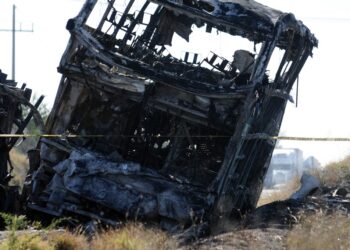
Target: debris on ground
x: 287, y: 213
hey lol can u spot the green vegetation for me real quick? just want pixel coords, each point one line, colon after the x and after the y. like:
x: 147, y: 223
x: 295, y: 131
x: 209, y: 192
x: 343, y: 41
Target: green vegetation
x: 14, y: 241
x: 14, y: 222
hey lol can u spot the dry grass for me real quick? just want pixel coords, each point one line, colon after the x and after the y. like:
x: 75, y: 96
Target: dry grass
x: 67, y: 241
x: 133, y: 236
x: 321, y: 232
x: 20, y: 167
x: 283, y: 193
x: 335, y: 173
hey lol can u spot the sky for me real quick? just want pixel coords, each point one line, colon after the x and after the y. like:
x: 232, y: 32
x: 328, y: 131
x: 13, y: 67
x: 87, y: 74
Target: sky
x: 323, y: 89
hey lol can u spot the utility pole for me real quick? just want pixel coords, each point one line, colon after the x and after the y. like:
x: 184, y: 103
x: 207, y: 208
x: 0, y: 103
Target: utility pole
x: 14, y: 30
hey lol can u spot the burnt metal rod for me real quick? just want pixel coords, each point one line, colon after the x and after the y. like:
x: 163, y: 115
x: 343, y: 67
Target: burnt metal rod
x: 25, y: 122
x: 134, y: 23
x: 110, y: 6
x: 123, y: 18
x: 147, y: 34
x: 297, y: 94
x: 13, y: 41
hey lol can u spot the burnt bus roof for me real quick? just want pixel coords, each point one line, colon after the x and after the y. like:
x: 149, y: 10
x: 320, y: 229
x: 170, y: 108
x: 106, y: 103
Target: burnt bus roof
x: 245, y: 18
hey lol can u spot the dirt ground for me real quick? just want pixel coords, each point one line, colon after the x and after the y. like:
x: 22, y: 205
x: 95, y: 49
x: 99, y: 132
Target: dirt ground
x: 245, y: 239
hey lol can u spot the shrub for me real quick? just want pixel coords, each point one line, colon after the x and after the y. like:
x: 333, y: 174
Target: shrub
x: 133, y: 236
x: 335, y: 173
x: 67, y: 241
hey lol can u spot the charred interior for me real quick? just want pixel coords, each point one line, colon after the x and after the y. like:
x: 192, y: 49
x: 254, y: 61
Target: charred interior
x: 178, y: 140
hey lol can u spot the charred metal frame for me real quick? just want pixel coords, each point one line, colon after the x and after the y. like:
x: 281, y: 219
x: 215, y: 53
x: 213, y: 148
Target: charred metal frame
x: 202, y: 142
x: 12, y: 121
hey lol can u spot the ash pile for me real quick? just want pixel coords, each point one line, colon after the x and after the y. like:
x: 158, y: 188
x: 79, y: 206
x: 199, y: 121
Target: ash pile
x: 179, y: 141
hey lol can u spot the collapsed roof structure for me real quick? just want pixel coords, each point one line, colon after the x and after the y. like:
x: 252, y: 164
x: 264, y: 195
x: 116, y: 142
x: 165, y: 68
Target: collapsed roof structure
x: 174, y: 140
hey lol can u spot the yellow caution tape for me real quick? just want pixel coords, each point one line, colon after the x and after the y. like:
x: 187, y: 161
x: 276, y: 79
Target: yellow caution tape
x: 254, y: 136
x: 49, y: 135
x: 296, y: 138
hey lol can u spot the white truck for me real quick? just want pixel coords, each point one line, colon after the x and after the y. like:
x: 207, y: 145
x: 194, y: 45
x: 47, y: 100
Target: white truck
x: 286, y: 164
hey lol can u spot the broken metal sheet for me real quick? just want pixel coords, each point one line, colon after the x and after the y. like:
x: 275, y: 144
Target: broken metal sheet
x: 170, y: 23
x: 309, y: 184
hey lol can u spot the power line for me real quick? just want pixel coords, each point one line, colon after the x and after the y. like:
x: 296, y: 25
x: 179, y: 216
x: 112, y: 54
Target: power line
x: 14, y: 30
x: 340, y: 19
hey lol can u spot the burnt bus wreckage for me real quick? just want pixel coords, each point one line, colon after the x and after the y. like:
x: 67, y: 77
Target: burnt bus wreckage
x: 173, y: 140
x: 13, y: 120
